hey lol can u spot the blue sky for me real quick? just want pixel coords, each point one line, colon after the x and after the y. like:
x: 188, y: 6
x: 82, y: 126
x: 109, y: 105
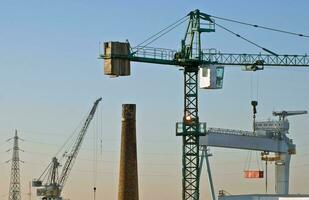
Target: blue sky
x: 50, y: 76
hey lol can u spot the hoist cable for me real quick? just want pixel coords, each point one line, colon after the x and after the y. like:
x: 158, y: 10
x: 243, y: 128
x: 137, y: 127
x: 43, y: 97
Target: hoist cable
x: 258, y: 161
x: 262, y: 27
x: 101, y: 132
x: 247, y: 161
x: 250, y: 160
x: 97, y: 126
x: 251, y: 85
x: 249, y: 41
x: 162, y: 32
x: 254, y: 86
x: 95, y: 149
x: 257, y: 86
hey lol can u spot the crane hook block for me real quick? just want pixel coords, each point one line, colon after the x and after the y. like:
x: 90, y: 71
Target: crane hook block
x: 254, y: 104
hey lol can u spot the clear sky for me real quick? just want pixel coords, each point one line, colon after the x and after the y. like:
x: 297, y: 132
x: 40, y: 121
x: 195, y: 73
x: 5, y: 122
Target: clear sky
x: 50, y: 76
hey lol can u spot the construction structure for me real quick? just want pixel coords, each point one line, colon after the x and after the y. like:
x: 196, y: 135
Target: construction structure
x: 128, y: 175
x: 270, y: 137
x: 51, y: 183
x: 14, y: 190
x: 199, y: 65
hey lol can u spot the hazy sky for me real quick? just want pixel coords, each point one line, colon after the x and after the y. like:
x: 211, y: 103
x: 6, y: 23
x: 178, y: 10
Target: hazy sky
x: 50, y: 77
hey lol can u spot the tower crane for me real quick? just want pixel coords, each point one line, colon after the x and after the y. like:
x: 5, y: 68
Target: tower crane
x: 196, y: 63
x: 52, y: 188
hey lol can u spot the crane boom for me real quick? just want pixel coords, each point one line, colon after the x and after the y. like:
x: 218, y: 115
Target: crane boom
x: 73, y: 154
x: 289, y: 113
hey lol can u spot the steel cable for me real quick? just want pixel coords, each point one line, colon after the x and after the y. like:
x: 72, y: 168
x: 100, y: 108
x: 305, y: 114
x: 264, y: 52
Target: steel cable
x: 262, y: 27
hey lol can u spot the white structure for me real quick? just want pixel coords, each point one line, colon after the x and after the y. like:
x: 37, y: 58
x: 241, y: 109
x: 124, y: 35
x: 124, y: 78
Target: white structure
x: 270, y: 136
x: 211, y: 77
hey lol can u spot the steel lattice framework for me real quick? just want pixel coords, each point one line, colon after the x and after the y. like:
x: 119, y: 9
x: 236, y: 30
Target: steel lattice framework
x: 14, y: 190
x: 190, y: 135
x: 210, y: 56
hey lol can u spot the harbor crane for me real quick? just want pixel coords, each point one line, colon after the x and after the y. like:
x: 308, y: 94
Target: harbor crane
x: 196, y: 63
x: 52, y: 187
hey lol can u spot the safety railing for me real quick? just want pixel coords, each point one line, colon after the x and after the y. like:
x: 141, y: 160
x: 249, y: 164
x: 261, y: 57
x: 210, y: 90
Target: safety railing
x: 153, y: 53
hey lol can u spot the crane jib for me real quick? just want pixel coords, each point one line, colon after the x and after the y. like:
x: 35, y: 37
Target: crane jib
x: 71, y: 159
x: 168, y: 57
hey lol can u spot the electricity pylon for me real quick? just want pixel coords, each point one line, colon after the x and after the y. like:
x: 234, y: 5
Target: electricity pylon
x: 14, y: 190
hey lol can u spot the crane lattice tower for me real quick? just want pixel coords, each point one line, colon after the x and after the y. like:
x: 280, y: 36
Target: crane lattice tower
x: 14, y: 191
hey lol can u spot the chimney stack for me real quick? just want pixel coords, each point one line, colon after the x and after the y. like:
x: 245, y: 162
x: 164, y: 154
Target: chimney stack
x: 128, y: 177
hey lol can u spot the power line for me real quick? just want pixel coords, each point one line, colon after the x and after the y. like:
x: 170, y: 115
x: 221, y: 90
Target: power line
x: 30, y: 132
x: 42, y: 143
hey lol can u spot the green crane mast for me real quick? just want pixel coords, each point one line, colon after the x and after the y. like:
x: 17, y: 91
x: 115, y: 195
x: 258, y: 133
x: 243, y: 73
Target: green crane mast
x: 192, y: 58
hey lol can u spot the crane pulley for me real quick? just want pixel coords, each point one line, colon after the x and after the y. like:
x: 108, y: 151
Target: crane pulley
x: 52, y: 187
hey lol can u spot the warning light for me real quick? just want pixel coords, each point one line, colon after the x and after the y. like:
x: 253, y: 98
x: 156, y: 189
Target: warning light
x: 188, y: 120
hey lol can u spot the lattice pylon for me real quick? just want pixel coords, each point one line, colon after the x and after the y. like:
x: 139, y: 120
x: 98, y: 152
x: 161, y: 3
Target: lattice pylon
x: 14, y: 190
